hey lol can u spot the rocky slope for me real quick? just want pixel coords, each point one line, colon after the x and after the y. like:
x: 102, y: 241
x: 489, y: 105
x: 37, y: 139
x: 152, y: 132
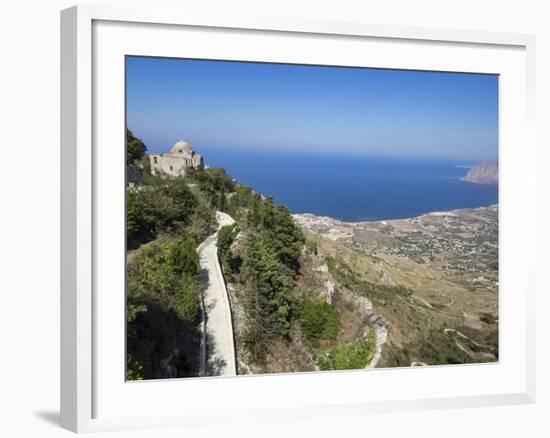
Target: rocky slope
x: 485, y: 173
x: 427, y: 277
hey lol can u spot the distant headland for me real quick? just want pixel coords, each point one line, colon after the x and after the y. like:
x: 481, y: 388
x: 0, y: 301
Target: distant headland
x: 485, y: 173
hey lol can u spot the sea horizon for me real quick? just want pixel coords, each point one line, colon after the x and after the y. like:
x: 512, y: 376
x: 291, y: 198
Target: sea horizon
x: 355, y: 188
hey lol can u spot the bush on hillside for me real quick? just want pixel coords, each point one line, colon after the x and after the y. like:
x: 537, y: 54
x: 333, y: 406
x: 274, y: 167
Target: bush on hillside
x: 320, y: 322
x: 135, y: 148
x: 356, y: 355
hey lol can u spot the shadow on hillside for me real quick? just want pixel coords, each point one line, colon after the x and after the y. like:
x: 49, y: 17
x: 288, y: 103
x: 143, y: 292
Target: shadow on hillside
x: 163, y: 344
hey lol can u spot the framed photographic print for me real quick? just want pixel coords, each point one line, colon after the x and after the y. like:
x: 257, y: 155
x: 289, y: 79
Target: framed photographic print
x: 257, y: 208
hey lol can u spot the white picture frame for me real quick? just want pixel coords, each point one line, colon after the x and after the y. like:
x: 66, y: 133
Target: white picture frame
x: 88, y: 403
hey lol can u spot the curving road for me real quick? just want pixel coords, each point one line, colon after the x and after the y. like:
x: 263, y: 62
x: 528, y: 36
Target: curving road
x: 217, y: 346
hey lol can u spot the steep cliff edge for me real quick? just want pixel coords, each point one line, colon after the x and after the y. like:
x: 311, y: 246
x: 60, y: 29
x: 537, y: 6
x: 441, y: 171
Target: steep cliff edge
x: 485, y: 173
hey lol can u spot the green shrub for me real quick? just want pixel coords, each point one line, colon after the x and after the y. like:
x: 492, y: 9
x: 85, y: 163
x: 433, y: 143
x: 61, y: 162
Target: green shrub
x: 243, y: 197
x: 162, y: 305
x: 202, y: 224
x: 226, y: 237
x: 162, y: 205
x: 312, y: 247
x: 356, y: 355
x: 214, y: 183
x: 320, y: 322
x: 166, y: 273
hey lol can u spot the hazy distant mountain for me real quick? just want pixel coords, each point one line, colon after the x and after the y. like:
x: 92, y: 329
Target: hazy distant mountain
x: 485, y: 173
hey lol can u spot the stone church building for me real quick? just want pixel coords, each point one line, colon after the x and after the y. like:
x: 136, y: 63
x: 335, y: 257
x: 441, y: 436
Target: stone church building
x: 180, y: 158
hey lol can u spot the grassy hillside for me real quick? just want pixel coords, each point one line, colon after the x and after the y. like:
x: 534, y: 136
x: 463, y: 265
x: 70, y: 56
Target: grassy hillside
x: 432, y: 317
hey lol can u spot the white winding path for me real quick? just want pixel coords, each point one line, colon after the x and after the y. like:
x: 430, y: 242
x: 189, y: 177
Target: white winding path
x: 217, y: 346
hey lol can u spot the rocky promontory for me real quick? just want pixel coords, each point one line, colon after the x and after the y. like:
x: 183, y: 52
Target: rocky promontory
x: 485, y: 173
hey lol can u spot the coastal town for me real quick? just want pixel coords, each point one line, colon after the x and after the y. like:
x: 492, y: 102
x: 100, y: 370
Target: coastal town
x: 462, y: 242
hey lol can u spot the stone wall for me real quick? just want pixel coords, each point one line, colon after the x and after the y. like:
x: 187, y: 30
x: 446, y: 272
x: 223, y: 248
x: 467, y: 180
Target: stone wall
x: 170, y: 165
x: 180, y: 158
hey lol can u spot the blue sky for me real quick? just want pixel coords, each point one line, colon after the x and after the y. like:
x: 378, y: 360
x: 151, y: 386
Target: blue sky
x: 218, y: 104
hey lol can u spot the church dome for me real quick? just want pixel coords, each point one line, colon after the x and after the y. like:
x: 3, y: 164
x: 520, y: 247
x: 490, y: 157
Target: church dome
x: 181, y: 147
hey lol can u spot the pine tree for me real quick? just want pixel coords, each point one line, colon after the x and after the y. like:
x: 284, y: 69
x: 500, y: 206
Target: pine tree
x: 268, y: 297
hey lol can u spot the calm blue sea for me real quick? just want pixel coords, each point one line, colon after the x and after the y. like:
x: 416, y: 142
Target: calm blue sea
x: 354, y: 187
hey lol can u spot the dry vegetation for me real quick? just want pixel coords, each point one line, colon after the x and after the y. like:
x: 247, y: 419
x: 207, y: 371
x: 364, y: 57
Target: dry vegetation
x: 448, y: 310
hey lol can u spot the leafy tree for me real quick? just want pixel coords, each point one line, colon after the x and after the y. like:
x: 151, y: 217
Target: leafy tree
x: 213, y: 183
x: 243, y: 197
x: 281, y: 230
x: 135, y: 148
x: 254, y: 217
x: 164, y: 205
